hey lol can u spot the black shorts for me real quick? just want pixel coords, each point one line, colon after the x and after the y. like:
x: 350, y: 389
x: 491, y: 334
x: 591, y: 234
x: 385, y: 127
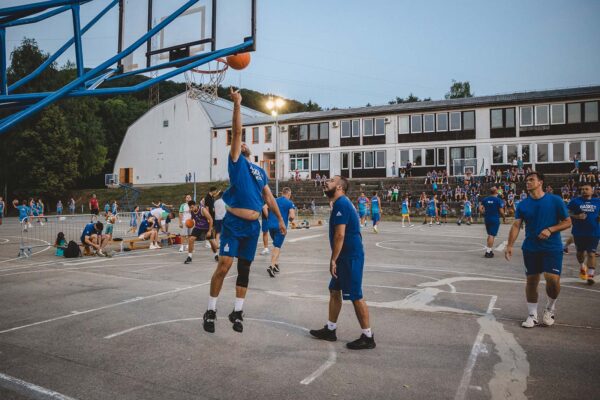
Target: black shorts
x: 199, y: 234
x: 95, y: 211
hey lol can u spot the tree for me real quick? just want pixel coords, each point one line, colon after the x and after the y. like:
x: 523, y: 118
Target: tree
x: 410, y: 99
x: 24, y: 60
x: 458, y: 90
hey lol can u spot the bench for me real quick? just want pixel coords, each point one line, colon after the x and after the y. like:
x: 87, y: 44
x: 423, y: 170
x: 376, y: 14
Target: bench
x: 133, y: 240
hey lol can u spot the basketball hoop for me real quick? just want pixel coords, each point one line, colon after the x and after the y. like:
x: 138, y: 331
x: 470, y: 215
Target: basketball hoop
x: 203, y: 84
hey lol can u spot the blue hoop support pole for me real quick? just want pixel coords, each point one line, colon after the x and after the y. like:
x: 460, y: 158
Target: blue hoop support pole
x: 3, y: 88
x: 77, y: 37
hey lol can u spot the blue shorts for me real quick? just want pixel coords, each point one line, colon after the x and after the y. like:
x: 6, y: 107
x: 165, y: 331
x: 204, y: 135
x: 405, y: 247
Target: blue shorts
x: 362, y: 213
x: 537, y: 262
x: 430, y: 213
x: 239, y: 237
x: 588, y: 244
x: 276, y: 237
x: 218, y: 225
x: 492, y: 226
x: 375, y: 217
x: 468, y: 214
x: 349, y: 280
x: 264, y: 225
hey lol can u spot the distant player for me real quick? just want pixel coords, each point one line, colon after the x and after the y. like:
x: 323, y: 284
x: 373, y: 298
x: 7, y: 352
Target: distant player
x: 493, y: 208
x: 92, y: 237
x: 432, y: 210
x: 264, y: 227
x: 2, y: 206
x: 288, y: 213
x: 375, y: 211
x: 545, y: 215
x: 467, y: 212
x: 147, y: 231
x: 184, y: 215
x: 203, y: 229
x: 585, y: 213
x: 406, y: 211
x: 161, y: 218
x: 444, y: 212
x: 24, y: 211
x: 220, y: 211
x: 362, y: 201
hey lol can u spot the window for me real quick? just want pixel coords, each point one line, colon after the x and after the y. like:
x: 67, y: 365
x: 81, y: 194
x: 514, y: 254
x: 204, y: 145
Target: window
x: 574, y: 148
x: 345, y: 161
x: 324, y: 130
x: 313, y: 131
x: 345, y: 129
x: 415, y: 123
x: 526, y: 116
x: 469, y: 120
x: 511, y: 153
x: 469, y: 152
x: 590, y: 151
x: 591, y: 111
x: 558, y: 152
x: 244, y: 135
x: 269, y: 134
x: 542, y: 152
x: 557, y: 114
x: 404, y: 123
x: 367, y: 127
x: 356, y: 128
x: 324, y: 161
x: 228, y: 135
x: 255, y: 159
x: 215, y: 134
x: 496, y: 119
x: 429, y: 156
x: 429, y: 123
x: 165, y: 123
x: 294, y: 133
x: 214, y: 161
x: 510, y: 118
x: 255, y: 135
x: 299, y: 162
x: 497, y: 152
x: 403, y: 158
x: 417, y: 157
x: 455, y: 121
x: 541, y: 115
x: 442, y: 122
x: 314, y: 162
x: 441, y: 157
x: 303, y: 132
x: 379, y: 126
x: 380, y: 159
x: 574, y: 113
x: 320, y: 162
x: 369, y: 159
x: 525, y: 153
x: 357, y: 160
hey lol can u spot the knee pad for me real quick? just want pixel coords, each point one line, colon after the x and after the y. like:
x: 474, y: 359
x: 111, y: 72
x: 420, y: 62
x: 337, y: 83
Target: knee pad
x: 243, y: 268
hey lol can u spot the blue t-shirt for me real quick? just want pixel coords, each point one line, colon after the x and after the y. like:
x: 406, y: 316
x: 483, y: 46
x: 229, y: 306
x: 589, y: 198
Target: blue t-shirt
x: 143, y: 227
x: 362, y: 203
x: 285, y: 205
x: 431, y: 205
x: 588, y: 226
x: 246, y: 184
x: 538, y: 215
x: 23, y: 212
x: 467, y: 207
x: 405, y: 207
x: 89, y: 230
x: 374, y: 205
x: 344, y: 213
x: 492, y: 206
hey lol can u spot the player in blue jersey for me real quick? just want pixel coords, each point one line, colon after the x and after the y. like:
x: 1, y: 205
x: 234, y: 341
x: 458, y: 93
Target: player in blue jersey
x: 432, y: 210
x: 375, y: 211
x: 2, y: 205
x: 288, y: 212
x: 92, y: 237
x: 248, y: 190
x: 493, y: 208
x: 346, y: 266
x: 585, y: 213
x: 264, y: 228
x: 406, y: 211
x: 362, y: 201
x: 24, y: 213
x: 545, y: 216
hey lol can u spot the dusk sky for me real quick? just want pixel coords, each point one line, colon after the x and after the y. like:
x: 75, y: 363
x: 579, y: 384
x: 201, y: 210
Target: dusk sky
x: 350, y: 53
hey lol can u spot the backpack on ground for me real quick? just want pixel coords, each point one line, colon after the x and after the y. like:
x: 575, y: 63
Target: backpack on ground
x: 72, y: 250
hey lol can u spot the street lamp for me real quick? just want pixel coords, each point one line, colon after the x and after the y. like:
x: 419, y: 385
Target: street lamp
x: 274, y: 105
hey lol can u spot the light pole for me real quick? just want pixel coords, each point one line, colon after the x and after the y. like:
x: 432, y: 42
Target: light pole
x: 274, y: 105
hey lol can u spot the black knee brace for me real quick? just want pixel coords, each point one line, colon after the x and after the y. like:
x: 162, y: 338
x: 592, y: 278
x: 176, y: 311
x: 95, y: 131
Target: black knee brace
x: 243, y: 267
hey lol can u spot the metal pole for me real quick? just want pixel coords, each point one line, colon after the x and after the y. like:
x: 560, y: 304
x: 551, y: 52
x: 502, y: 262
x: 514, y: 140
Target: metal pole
x: 277, y: 156
x: 194, y: 186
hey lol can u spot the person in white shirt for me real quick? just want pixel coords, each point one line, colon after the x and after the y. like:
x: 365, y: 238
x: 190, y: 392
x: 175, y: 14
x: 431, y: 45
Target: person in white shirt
x: 220, y: 211
x: 184, y: 215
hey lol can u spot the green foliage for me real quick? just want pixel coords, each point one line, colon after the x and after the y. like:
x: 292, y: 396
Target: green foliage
x: 459, y: 90
x: 411, y: 98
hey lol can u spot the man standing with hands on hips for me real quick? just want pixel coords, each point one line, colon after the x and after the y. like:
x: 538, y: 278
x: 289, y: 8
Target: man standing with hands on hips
x: 545, y: 215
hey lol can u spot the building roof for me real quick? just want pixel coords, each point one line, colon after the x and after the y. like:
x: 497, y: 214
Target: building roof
x: 479, y: 101
x: 219, y: 112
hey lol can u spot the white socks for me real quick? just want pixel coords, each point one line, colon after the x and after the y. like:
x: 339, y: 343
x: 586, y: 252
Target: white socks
x: 331, y: 325
x: 239, y: 303
x: 190, y: 255
x: 532, y: 309
x: 488, y: 249
x: 551, y: 303
x: 212, y: 303
x: 367, y: 332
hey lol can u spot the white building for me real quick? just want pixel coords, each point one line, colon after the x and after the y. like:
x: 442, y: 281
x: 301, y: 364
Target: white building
x: 545, y: 128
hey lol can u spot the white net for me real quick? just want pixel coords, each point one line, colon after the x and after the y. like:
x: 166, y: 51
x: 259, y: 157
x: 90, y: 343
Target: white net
x: 464, y: 166
x: 203, y: 84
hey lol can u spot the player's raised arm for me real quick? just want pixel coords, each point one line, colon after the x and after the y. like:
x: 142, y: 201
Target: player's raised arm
x: 236, y: 125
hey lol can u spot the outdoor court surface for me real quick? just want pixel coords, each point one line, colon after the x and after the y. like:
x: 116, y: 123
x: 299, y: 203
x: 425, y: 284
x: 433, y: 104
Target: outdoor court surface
x: 446, y: 322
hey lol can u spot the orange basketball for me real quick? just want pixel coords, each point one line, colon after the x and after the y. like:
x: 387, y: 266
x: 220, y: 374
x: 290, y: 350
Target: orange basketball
x: 189, y: 223
x: 238, y: 61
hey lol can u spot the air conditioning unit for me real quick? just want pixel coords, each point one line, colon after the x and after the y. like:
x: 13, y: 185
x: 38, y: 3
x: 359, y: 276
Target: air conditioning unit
x: 387, y: 120
x: 334, y: 124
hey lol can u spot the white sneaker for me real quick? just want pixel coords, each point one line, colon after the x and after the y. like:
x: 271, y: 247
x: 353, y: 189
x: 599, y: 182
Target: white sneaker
x: 207, y: 245
x: 181, y: 249
x: 152, y: 247
x: 404, y: 226
x: 41, y: 223
x: 264, y: 251
x: 530, y: 322
x: 412, y: 225
x: 548, y: 318
x: 157, y: 246
x: 100, y: 253
x: 29, y: 226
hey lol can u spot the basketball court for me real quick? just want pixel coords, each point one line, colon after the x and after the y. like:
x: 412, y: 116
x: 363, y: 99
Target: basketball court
x: 446, y: 321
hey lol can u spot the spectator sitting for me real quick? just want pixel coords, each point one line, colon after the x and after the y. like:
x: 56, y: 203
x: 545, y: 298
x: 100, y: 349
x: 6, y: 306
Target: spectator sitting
x: 402, y: 173
x: 317, y: 180
x: 427, y: 178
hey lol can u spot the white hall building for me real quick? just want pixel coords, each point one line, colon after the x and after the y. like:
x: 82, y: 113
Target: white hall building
x: 545, y: 128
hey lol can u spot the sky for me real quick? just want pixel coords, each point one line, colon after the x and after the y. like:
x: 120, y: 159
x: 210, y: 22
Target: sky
x: 347, y: 53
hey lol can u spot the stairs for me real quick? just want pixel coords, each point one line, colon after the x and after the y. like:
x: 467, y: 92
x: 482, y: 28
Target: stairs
x: 130, y: 197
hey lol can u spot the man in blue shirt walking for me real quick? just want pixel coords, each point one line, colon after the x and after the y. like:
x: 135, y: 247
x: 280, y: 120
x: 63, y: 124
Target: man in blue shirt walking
x: 545, y: 215
x: 248, y: 190
x: 585, y: 213
x: 346, y: 266
x: 288, y: 213
x: 493, y: 208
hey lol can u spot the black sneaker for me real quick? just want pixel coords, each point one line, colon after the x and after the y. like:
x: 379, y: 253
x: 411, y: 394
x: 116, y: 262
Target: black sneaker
x: 488, y: 255
x: 210, y: 316
x: 271, y: 271
x: 188, y: 260
x: 276, y: 268
x: 216, y: 257
x: 362, y: 343
x: 236, y: 319
x: 324, y: 334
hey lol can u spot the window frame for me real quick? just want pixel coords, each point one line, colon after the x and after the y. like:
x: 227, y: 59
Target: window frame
x: 375, y: 132
x: 255, y: 130
x: 407, y: 157
x: 437, y: 156
x: 494, y: 162
x: 420, y: 153
x: 268, y: 134
x: 347, y: 154
x: 321, y: 135
x: 400, y: 117
x: 354, y: 153
x: 314, y: 166
x: 305, y: 157
x: 321, y: 156
x: 521, y: 108
x: 355, y: 124
x: 585, y: 113
x: 425, y: 159
x: 564, y: 116
x: 437, y: 122
x: 560, y: 144
x: 292, y: 129
x: 420, y: 116
x: 349, y: 123
x: 434, y: 123
x: 579, y: 109
x: 514, y: 113
x: 538, y: 107
x: 501, y: 118
x: 371, y: 121
x: 305, y: 126
x: 310, y: 131
x: 377, y: 158
x: 459, y: 121
x: 372, y: 154
x: 537, y: 153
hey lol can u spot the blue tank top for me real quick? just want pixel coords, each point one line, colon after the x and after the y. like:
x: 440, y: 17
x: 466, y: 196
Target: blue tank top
x: 375, y: 205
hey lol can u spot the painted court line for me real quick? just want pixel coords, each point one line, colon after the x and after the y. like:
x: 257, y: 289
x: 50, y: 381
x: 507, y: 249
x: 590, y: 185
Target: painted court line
x: 304, y: 238
x: 30, y: 390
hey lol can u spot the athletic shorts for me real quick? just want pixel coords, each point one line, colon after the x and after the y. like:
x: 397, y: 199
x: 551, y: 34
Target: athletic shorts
x: 468, y: 215
x: 142, y: 236
x: 588, y: 244
x: 239, y: 237
x: 405, y: 215
x: 199, y: 234
x: 362, y: 213
x: 109, y: 229
x: 264, y: 226
x: 276, y: 237
x: 431, y: 213
x: 95, y: 211
x: 537, y: 262
x: 492, y: 226
x: 375, y: 217
x: 349, y: 280
x: 218, y: 225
